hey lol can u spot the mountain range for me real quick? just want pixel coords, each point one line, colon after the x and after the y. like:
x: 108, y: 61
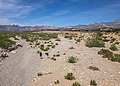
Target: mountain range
x: 95, y: 26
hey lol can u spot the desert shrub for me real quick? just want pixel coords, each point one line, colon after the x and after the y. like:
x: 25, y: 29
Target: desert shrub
x: 42, y: 47
x: 53, y: 46
x: 49, y: 45
x: 69, y: 76
x: 58, y: 39
x: 54, y: 59
x: 56, y: 44
x: 71, y: 48
x: 117, y: 43
x: 77, y: 40
x: 93, y: 83
x: 69, y: 37
x: 106, y: 53
x: 46, y: 49
x: 113, y: 47
x: 66, y: 36
x: 76, y: 84
x: 72, y: 59
x: 116, y: 58
x: 39, y: 74
x: 56, y: 82
x: 94, y: 42
x: 45, y: 38
x: 105, y: 40
x: 58, y: 55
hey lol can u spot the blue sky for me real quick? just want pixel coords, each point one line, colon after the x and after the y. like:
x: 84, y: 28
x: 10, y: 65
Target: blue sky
x: 58, y: 12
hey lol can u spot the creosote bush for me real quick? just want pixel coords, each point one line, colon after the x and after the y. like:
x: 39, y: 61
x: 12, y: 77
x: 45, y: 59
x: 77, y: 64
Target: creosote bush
x: 95, y: 41
x: 72, y: 59
x: 69, y: 76
x: 108, y: 54
x: 93, y: 83
x: 113, y: 47
x: 76, y: 84
x: 42, y: 47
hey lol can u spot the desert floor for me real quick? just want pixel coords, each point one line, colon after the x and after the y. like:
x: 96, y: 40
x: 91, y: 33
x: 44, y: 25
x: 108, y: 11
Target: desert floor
x: 22, y: 66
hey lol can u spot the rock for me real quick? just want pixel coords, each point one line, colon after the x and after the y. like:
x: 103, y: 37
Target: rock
x: 13, y: 52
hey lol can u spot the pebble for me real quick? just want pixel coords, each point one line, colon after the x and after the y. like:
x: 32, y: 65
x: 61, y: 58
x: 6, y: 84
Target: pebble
x: 112, y: 75
x: 105, y: 72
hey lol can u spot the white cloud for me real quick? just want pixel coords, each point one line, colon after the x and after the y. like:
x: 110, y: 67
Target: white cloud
x: 10, y: 9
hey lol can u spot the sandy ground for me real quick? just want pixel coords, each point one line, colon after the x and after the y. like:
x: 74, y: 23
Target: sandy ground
x: 21, y: 68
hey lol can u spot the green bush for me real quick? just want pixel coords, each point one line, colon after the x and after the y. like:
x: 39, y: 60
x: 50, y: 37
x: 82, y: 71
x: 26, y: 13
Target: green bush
x: 93, y: 83
x: 108, y: 54
x: 116, y: 57
x: 69, y: 76
x: 42, y: 47
x: 113, y: 47
x: 69, y: 37
x: 76, y: 84
x: 94, y: 42
x: 72, y: 59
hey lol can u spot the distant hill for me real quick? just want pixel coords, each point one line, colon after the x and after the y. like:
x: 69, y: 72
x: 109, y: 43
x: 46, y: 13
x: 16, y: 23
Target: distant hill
x: 95, y: 26
x: 98, y: 26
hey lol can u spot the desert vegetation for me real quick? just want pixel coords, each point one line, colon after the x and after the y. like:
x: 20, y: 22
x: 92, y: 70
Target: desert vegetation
x: 69, y: 76
x: 76, y: 84
x: 110, y: 55
x: 95, y: 41
x: 93, y: 83
x: 71, y: 58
